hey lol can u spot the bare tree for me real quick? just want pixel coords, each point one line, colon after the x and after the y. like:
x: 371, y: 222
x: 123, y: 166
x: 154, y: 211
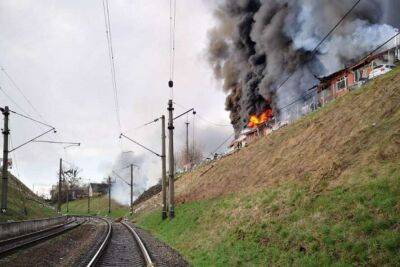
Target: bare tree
x: 72, y: 177
x: 185, y: 160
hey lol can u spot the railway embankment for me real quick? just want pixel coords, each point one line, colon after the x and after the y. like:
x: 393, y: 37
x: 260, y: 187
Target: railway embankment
x: 23, y: 204
x: 324, y: 190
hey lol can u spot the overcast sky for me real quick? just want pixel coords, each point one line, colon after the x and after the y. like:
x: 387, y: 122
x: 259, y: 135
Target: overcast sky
x: 56, y: 52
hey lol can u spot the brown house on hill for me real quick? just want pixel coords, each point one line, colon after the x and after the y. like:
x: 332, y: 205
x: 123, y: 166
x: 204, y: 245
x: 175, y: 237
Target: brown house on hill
x: 355, y: 75
x: 96, y: 189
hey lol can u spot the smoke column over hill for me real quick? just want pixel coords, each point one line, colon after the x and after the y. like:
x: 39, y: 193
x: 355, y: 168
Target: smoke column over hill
x: 257, y: 44
x: 120, y: 191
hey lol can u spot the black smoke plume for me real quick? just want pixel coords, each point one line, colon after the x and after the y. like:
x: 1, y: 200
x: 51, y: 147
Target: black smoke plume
x: 257, y: 44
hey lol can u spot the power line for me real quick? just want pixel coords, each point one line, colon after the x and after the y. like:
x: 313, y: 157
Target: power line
x: 12, y: 100
x: 21, y: 92
x: 106, y: 10
x: 300, y: 98
x: 203, y: 118
x: 380, y: 46
x: 172, y: 26
x: 315, y: 50
x: 365, y: 58
x: 139, y: 144
x: 147, y: 124
x: 27, y: 114
x: 31, y: 119
x: 223, y: 143
x: 118, y: 176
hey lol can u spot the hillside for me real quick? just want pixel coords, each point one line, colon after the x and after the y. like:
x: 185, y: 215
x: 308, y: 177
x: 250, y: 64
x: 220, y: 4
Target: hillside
x: 98, y: 206
x: 23, y: 204
x: 322, y: 191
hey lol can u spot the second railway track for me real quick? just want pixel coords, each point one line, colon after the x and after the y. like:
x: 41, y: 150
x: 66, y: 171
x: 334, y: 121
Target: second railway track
x: 11, y: 245
x: 121, y: 247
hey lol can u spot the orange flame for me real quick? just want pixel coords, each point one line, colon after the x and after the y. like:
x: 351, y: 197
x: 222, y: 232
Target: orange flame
x: 264, y: 117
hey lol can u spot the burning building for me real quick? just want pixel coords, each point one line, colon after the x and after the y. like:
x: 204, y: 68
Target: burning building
x: 257, y: 44
x: 356, y: 74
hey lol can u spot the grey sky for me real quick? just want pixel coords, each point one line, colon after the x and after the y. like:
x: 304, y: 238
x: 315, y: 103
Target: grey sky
x: 56, y: 52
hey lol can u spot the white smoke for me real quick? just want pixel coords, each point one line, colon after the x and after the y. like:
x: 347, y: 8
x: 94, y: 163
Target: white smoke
x: 120, y: 190
x: 353, y: 39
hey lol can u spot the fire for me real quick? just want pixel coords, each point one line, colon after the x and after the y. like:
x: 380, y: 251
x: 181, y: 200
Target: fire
x: 264, y: 117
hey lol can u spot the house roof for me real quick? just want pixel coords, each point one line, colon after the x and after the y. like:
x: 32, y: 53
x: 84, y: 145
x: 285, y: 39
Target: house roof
x: 355, y: 65
x: 99, y: 187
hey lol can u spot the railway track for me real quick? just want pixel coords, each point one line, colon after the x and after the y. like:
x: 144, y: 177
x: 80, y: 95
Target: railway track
x: 121, y: 246
x: 11, y: 245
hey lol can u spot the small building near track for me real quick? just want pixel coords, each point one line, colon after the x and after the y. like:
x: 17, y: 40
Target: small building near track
x: 98, y: 189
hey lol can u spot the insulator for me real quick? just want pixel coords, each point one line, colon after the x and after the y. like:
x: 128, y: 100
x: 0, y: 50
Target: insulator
x: 171, y: 84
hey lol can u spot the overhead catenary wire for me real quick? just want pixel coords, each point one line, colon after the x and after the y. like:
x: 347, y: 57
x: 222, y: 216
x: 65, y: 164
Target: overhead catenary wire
x: 172, y: 27
x: 311, y: 90
x: 380, y: 46
x: 43, y: 121
x: 12, y: 100
x: 107, y: 21
x: 118, y: 176
x: 203, y: 118
x: 139, y: 144
x: 223, y: 143
x: 315, y: 50
x: 31, y: 119
x: 147, y: 124
x: 21, y: 92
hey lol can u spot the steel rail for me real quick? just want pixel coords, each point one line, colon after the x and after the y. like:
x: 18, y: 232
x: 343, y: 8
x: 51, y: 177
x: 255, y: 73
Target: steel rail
x: 103, y: 245
x: 44, y: 237
x: 149, y: 262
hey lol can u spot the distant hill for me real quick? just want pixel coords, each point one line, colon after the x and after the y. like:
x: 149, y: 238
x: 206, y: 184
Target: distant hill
x: 322, y: 191
x: 23, y: 204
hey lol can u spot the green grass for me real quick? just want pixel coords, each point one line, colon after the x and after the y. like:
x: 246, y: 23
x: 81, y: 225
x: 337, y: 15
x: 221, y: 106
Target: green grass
x: 98, y: 206
x: 356, y: 223
x: 21, y: 206
x: 333, y: 204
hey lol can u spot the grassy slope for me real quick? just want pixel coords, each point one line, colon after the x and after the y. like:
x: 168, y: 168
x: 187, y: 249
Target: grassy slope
x: 98, y: 206
x: 21, y: 199
x: 323, y: 191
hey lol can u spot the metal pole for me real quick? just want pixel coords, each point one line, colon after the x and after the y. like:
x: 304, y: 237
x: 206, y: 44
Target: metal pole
x: 163, y: 169
x: 109, y: 194
x: 66, y: 183
x: 4, y: 188
x: 88, y: 204
x: 171, y: 159
x: 59, y: 187
x: 131, y: 189
x: 187, y: 145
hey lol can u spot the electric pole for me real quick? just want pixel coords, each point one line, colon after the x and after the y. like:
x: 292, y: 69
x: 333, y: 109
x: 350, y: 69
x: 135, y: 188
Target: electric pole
x: 59, y: 187
x: 171, y: 158
x: 163, y: 162
x: 131, y: 189
x: 187, y: 145
x: 67, y: 187
x: 164, y: 169
x: 109, y: 194
x: 88, y: 200
x: 4, y: 188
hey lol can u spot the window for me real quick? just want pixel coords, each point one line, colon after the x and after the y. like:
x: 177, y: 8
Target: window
x: 341, y: 84
x: 357, y: 75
